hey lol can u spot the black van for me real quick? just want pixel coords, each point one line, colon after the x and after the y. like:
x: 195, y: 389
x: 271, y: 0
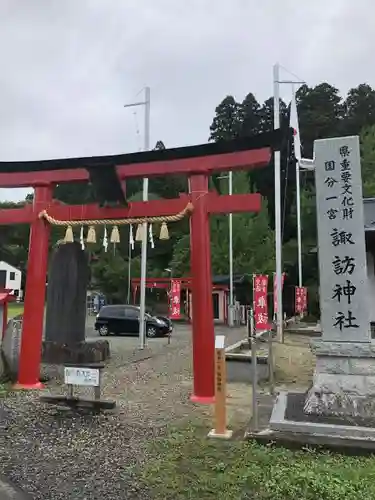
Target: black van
x: 124, y: 320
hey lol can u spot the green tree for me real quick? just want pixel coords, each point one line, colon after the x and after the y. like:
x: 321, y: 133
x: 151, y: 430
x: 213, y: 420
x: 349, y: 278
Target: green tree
x: 359, y: 107
x: 253, y: 241
x: 226, y: 125
x: 368, y: 160
x: 250, y: 116
x: 227, y: 120
x: 320, y: 111
x: 109, y: 275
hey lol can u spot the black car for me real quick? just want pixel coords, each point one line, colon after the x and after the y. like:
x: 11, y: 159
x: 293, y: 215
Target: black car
x: 124, y: 319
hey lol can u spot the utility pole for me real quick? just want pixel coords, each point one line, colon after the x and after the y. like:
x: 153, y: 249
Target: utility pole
x: 142, y: 318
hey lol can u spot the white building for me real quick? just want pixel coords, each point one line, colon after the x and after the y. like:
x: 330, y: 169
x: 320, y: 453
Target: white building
x: 10, y: 278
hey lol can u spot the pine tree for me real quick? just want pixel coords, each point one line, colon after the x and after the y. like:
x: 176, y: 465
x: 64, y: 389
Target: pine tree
x: 227, y: 121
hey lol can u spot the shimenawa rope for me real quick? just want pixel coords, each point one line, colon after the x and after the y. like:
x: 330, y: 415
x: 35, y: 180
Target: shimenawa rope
x: 115, y: 235
x: 118, y: 222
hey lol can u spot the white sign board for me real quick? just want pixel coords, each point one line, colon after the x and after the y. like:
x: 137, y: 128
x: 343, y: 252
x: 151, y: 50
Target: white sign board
x: 81, y: 376
x: 341, y: 241
x: 219, y: 341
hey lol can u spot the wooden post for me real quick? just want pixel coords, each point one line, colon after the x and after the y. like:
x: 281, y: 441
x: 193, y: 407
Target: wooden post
x: 220, y: 430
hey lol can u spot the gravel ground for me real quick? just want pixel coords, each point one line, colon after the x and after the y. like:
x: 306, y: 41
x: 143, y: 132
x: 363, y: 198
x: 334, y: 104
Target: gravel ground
x: 54, y: 453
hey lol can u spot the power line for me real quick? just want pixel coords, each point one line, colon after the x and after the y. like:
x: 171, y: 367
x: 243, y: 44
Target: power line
x: 291, y: 73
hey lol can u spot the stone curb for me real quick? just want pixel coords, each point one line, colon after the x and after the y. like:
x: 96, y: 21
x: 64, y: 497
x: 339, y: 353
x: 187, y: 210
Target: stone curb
x: 9, y: 491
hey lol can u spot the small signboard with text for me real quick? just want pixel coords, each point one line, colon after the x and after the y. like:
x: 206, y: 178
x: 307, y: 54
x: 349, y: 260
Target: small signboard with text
x: 88, y: 377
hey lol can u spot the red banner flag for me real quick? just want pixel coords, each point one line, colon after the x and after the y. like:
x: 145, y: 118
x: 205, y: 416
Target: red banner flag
x: 301, y: 299
x: 304, y: 298
x: 175, y: 299
x: 260, y: 287
x: 275, y: 290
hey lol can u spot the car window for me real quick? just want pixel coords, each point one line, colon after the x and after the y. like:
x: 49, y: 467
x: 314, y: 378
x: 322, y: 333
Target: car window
x: 131, y: 313
x: 112, y: 312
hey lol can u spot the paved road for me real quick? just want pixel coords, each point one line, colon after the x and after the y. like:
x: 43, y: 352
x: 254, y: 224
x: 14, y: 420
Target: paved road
x: 181, y: 335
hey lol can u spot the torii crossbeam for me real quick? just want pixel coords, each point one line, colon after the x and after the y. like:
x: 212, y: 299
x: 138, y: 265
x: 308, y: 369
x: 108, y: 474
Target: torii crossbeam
x: 197, y: 163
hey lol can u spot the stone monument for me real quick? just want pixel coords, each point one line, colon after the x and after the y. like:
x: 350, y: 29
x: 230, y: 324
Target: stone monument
x: 10, y: 349
x: 340, y: 405
x: 65, y: 329
x: 344, y: 378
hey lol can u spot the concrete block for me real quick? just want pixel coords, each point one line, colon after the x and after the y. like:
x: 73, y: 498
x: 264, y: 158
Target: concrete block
x: 343, y: 349
x: 324, y: 431
x: 345, y: 365
x: 343, y: 386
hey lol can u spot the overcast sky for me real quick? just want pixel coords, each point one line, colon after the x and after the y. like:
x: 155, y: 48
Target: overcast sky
x: 68, y: 66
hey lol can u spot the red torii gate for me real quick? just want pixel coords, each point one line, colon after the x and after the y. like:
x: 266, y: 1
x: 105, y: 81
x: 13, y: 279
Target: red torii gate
x: 198, y: 163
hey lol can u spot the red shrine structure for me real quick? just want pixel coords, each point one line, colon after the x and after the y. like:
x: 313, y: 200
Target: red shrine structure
x: 107, y: 175
x: 186, y: 285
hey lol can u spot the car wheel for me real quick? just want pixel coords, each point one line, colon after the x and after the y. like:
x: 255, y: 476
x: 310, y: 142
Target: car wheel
x: 103, y: 331
x: 151, y: 331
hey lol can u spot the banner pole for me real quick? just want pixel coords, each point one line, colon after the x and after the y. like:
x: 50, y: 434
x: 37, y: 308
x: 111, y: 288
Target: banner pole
x: 254, y: 365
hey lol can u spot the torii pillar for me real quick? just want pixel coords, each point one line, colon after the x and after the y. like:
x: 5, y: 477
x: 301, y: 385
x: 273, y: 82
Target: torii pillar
x: 202, y: 323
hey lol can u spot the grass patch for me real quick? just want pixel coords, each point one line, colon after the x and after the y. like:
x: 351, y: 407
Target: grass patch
x: 4, y: 389
x: 14, y: 309
x: 187, y: 465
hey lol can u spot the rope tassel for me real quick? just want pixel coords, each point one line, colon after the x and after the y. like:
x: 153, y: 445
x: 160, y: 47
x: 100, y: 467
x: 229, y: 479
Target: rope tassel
x: 139, y: 233
x: 91, y: 235
x: 115, y: 235
x: 164, y: 233
x: 69, y: 236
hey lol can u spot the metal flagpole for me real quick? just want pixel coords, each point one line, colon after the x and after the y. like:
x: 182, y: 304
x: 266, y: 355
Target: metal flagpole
x: 129, y: 271
x: 142, y: 311
x: 231, y: 297
x: 278, y: 241
x: 142, y: 317
x: 297, y: 153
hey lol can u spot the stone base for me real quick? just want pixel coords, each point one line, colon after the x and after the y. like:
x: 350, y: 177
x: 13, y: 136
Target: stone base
x: 84, y: 352
x: 288, y: 416
x: 344, y: 380
x: 226, y: 435
x: 289, y: 426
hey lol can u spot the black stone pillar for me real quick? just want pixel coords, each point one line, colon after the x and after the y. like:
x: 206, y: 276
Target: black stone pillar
x: 66, y: 309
